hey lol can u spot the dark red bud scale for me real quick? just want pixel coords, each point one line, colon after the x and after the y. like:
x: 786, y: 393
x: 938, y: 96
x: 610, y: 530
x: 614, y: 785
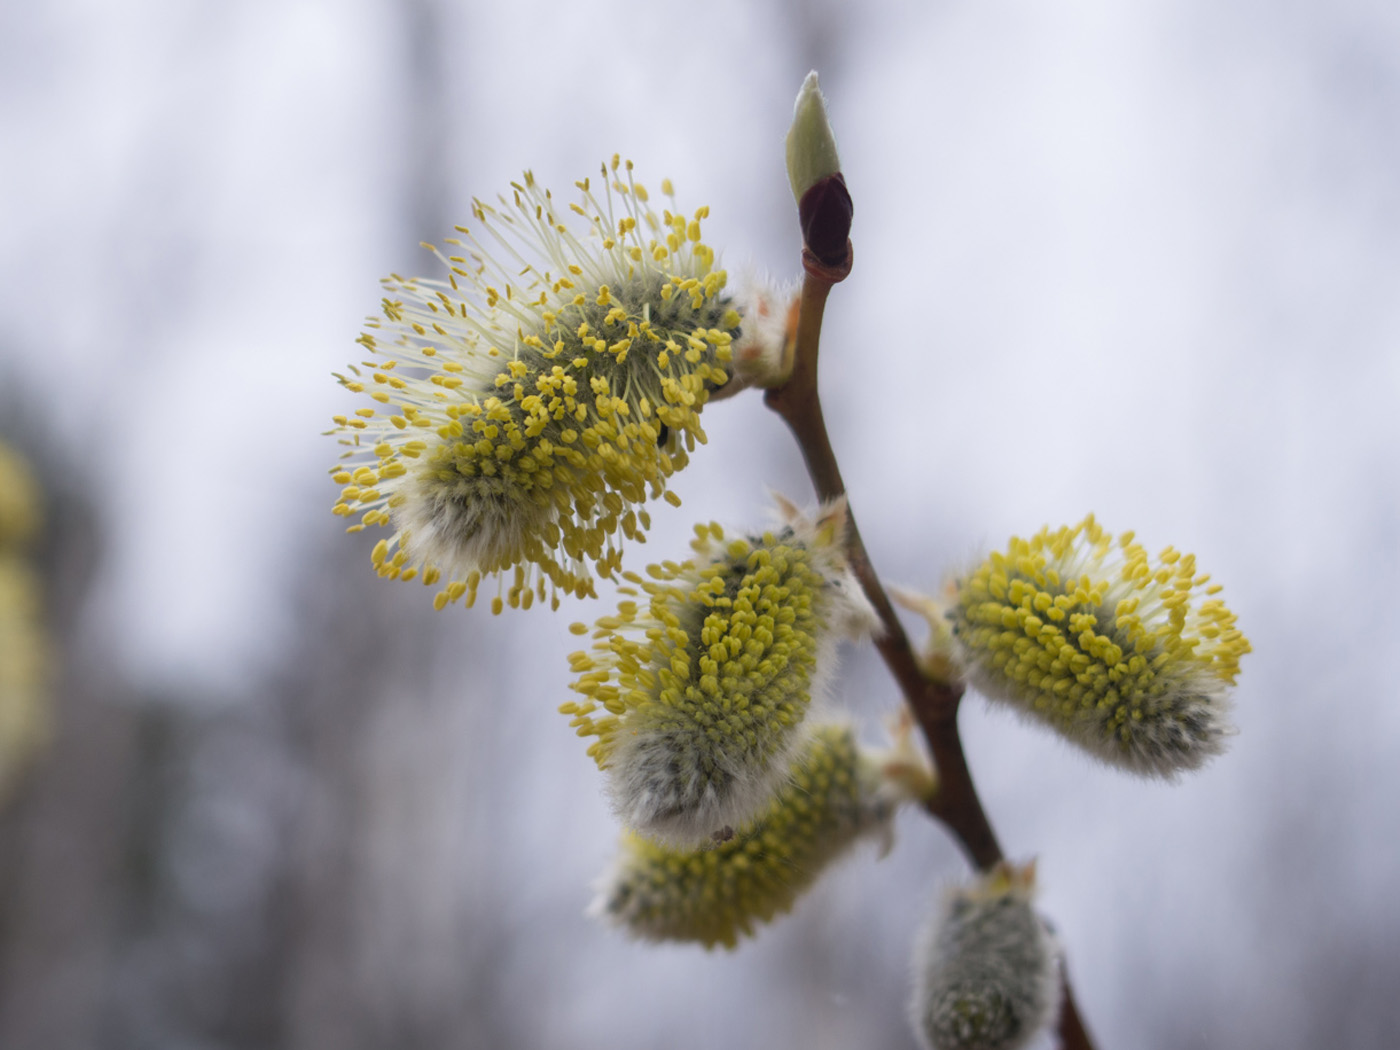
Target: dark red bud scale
x: 825, y: 213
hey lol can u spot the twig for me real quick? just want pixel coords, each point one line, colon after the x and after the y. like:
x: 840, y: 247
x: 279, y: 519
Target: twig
x: 1073, y: 1034
x: 935, y: 705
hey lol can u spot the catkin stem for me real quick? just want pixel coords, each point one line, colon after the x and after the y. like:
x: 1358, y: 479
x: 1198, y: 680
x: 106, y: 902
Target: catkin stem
x: 935, y: 705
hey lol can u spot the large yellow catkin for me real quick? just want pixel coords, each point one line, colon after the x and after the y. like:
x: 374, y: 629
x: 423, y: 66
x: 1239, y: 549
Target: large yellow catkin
x: 696, y: 697
x: 1128, y: 657
x: 523, y: 408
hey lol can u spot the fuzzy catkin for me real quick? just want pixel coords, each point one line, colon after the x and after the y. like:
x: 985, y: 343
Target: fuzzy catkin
x: 702, y: 690
x: 986, y: 976
x: 715, y: 895
x: 1129, y: 659
x: 523, y: 408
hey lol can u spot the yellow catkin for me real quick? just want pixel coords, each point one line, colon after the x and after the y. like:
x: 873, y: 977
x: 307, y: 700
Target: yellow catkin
x: 528, y: 403
x: 1127, y: 656
x: 717, y: 895
x: 695, y: 696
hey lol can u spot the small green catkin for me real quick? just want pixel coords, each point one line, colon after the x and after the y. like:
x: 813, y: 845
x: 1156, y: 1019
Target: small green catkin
x: 986, y: 974
x: 837, y: 794
x: 1129, y: 659
x: 696, y: 697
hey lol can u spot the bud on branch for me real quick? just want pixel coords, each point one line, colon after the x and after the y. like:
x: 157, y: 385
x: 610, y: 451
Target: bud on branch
x: 814, y: 169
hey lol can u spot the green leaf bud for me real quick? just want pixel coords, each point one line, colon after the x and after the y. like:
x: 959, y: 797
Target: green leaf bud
x: 811, y: 146
x: 824, y: 206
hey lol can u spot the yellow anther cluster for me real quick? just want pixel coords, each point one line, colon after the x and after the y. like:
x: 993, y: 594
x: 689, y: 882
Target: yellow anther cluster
x: 1127, y: 656
x: 716, y: 895
x: 527, y: 405
x: 24, y: 657
x: 695, y: 696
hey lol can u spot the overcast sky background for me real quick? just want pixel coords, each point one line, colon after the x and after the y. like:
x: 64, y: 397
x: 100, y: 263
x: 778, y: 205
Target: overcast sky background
x: 1137, y: 259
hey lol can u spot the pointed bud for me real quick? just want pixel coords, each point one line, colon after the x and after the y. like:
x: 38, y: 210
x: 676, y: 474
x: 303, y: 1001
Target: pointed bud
x: 1129, y: 659
x: 985, y: 972
x: 836, y: 794
x: 814, y: 171
x: 702, y: 690
x: 811, y: 146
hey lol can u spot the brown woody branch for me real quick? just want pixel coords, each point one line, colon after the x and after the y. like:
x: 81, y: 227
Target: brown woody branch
x: 934, y: 704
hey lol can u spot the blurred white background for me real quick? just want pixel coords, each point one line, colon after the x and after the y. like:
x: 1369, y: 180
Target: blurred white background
x: 1137, y: 259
